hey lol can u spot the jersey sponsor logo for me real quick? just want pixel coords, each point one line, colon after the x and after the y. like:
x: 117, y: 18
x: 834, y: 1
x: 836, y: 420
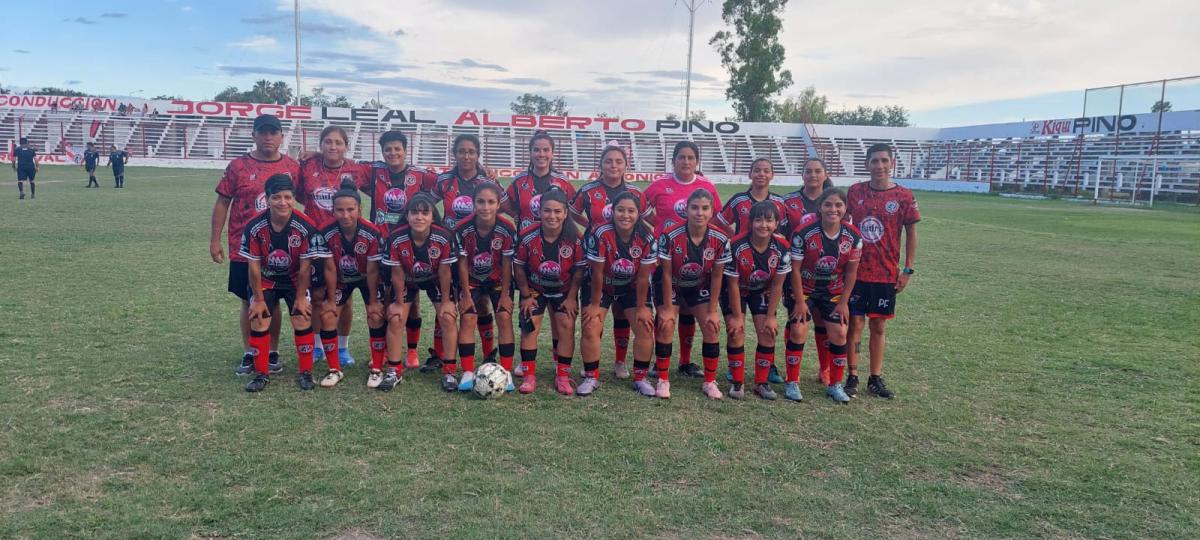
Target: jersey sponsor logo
x: 758, y: 278
x: 565, y: 251
x: 395, y: 199
x: 709, y: 254
x: 323, y: 197
x: 622, y: 269
x: 278, y: 262
x: 826, y: 265
x: 435, y: 252
x: 606, y: 213
x: 691, y: 270
x: 260, y: 203
x: 535, y: 204
x: 871, y: 229
x: 462, y: 205
x: 681, y: 208
x: 892, y: 207
x: 481, y: 264
x: 497, y: 243
x: 635, y: 251
x: 348, y: 265
x: 421, y: 270
x: 550, y: 271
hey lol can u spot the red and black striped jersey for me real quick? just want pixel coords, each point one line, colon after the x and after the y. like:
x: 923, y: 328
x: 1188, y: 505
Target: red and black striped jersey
x: 526, y: 192
x: 822, y: 261
x: 798, y: 204
x: 735, y: 215
x: 485, y: 254
x: 421, y: 263
x: 593, y: 201
x: 351, y: 256
x: 621, y: 260
x: 692, y: 264
x: 279, y: 252
x: 243, y: 183
x: 755, y: 269
x: 880, y: 214
x: 391, y: 191
x: 318, y: 184
x: 549, y: 265
x: 458, y: 194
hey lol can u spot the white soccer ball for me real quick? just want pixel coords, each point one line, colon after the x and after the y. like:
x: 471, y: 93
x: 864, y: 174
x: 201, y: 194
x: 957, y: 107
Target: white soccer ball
x: 491, y: 380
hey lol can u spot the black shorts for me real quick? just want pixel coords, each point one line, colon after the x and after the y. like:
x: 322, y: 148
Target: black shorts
x: 689, y: 296
x: 554, y: 302
x: 239, y: 279
x: 432, y: 291
x: 489, y: 294
x: 118, y: 172
x: 756, y: 303
x: 346, y: 290
x: 622, y: 298
x: 272, y: 297
x: 825, y: 307
x: 874, y: 300
x: 90, y: 170
x: 24, y: 174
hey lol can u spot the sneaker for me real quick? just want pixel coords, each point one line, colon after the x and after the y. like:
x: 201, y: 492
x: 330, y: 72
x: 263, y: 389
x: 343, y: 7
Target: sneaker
x: 432, y: 364
x: 792, y: 392
x: 589, y: 385
x: 449, y: 383
x: 510, y: 388
x: 563, y: 386
x: 468, y: 382
x: 390, y: 379
x: 412, y: 360
x: 247, y: 365
x: 737, y: 391
x: 258, y: 383
x: 877, y: 388
x: 653, y: 373
x: 851, y: 387
x: 764, y: 391
x: 318, y: 353
x: 691, y: 370
x: 837, y: 393
x: 273, y: 364
x: 728, y: 376
x: 374, y: 378
x: 620, y: 370
x: 644, y: 388
x: 774, y: 376
x: 22, y: 196
x: 334, y: 377
x: 528, y: 384
x: 305, y: 381
x: 663, y: 389
x: 711, y: 391
x: 344, y: 358
x: 519, y: 370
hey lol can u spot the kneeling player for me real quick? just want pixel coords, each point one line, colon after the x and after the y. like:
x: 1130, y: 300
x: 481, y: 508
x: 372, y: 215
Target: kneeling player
x: 827, y: 253
x: 622, y: 260
x: 755, y: 280
x: 353, y: 245
x: 279, y: 245
x: 422, y: 256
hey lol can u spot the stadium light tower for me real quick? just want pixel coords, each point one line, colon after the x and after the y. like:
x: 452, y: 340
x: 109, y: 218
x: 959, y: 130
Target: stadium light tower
x: 691, y: 6
x: 296, y: 11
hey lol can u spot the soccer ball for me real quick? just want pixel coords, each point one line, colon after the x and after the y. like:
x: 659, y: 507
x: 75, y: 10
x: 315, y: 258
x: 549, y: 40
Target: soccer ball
x: 491, y: 380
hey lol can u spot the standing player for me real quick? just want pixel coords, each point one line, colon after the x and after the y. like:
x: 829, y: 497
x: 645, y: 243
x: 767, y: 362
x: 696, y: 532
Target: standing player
x: 90, y: 159
x: 279, y: 245
x: 548, y: 268
x: 692, y: 258
x: 801, y: 205
x: 881, y: 209
x: 239, y: 198
x: 25, y: 163
x: 622, y: 258
x: 117, y: 160
x: 593, y: 206
x: 760, y: 264
x: 668, y: 195
x: 826, y: 254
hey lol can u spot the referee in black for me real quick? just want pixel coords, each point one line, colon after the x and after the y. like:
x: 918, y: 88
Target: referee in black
x: 25, y: 163
x: 90, y: 159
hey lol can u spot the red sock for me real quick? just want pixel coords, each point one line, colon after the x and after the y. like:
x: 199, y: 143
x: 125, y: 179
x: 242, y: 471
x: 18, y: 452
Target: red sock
x: 412, y: 330
x: 449, y: 366
x: 837, y: 363
x: 506, y: 356
x: 260, y: 345
x: 711, y: 353
x: 305, y: 341
x: 640, y: 369
x: 563, y: 367
x: 378, y: 348
x: 621, y: 338
x: 529, y: 361
x: 438, y: 350
x: 794, y: 352
x: 737, y: 363
x: 591, y: 369
x: 329, y: 345
x: 487, y: 334
x: 687, y: 333
x: 763, y: 358
x: 466, y: 355
x: 662, y: 360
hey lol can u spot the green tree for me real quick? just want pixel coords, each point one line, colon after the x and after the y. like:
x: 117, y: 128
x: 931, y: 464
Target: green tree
x: 55, y: 91
x: 165, y: 97
x: 263, y: 91
x: 753, y: 56
x: 806, y: 108
x: 1161, y: 106
x: 539, y: 105
x: 373, y: 103
x: 694, y: 116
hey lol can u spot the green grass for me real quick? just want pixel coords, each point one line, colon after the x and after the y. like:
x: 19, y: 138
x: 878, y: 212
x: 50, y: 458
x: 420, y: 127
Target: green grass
x: 1045, y: 359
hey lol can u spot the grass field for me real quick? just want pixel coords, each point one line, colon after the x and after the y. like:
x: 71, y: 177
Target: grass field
x: 1046, y: 359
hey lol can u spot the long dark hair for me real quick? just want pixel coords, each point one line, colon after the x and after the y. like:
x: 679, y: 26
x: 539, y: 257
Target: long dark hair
x: 831, y: 192
x: 423, y: 201
x: 468, y: 137
x: 495, y: 189
x: 540, y: 135
x: 640, y: 225
x: 828, y: 183
x: 557, y: 195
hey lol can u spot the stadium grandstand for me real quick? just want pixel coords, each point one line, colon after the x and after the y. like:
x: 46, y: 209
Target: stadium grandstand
x: 1131, y: 157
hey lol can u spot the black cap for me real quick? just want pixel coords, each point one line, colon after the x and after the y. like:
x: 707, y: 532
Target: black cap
x: 267, y: 121
x: 277, y: 183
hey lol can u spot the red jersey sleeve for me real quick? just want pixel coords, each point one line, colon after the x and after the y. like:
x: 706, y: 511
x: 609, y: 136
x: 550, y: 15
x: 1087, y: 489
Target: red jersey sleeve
x: 227, y: 187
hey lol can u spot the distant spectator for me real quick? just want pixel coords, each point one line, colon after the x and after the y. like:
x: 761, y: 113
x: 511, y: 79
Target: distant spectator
x: 121, y: 109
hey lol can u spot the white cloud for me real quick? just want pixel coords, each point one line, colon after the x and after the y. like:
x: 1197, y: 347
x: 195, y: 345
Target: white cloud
x: 257, y: 43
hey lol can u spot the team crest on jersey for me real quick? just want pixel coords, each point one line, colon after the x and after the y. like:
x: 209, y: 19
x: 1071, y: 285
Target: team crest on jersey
x: 597, y: 195
x: 812, y: 244
x: 409, y: 180
x: 670, y: 190
x: 434, y: 252
x: 294, y: 241
x: 773, y: 261
x: 395, y: 199
x: 871, y: 229
x: 565, y: 251
x: 404, y: 253
x: 844, y: 246
x: 462, y: 205
x: 709, y: 254
x: 892, y: 207
x: 497, y: 243
x: 360, y: 248
x: 743, y: 210
x: 323, y: 197
x: 744, y: 260
x: 635, y: 251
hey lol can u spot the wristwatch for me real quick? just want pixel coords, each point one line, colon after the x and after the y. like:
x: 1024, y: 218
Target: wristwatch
x: 908, y: 270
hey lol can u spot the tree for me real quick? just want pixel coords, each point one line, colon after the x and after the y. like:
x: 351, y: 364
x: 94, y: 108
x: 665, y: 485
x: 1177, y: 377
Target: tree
x: 806, y: 108
x: 165, y: 97
x: 753, y: 56
x: 263, y: 91
x: 374, y: 103
x: 55, y: 91
x: 536, y: 104
x: 1161, y: 106
x: 694, y: 116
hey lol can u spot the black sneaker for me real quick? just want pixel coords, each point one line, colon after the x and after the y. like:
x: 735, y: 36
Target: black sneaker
x: 22, y: 196
x: 491, y: 358
x: 273, y: 364
x: 851, y: 386
x: 305, y: 381
x: 432, y: 364
x: 247, y: 365
x: 876, y: 387
x: 691, y: 370
x: 258, y: 383
x: 449, y: 383
x: 390, y: 379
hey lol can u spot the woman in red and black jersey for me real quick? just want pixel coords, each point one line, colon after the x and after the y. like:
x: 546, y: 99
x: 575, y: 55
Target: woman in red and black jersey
x: 525, y: 192
x: 421, y: 255
x: 802, y: 210
x: 456, y: 187
x: 826, y: 255
x: 548, y: 268
x: 692, y: 258
x: 622, y: 258
x: 754, y: 281
x: 486, y: 245
x: 735, y: 213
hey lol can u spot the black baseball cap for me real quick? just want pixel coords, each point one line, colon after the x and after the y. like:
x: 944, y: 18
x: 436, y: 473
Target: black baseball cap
x: 267, y: 122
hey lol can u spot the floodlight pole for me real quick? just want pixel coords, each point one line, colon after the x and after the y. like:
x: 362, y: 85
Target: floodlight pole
x: 296, y: 19
x: 687, y: 94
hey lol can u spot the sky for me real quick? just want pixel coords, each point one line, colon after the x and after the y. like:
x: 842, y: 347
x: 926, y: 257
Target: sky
x: 950, y: 62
